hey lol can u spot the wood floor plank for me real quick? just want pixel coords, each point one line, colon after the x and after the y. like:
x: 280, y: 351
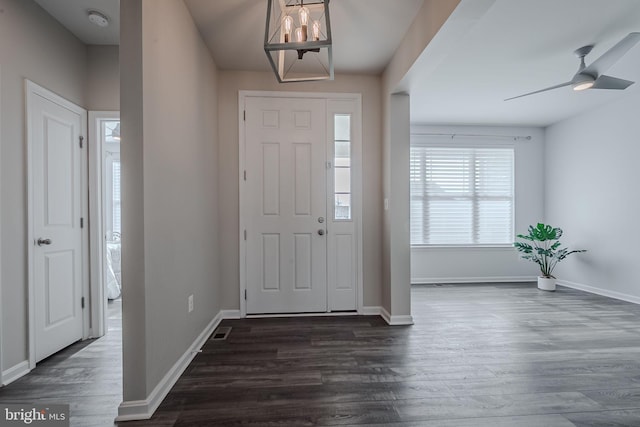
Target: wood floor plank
x: 616, y: 398
x: 494, y: 405
x: 628, y: 418
x: 508, y: 421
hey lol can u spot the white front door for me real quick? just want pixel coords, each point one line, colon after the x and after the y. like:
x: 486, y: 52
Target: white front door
x: 285, y: 202
x: 56, y: 171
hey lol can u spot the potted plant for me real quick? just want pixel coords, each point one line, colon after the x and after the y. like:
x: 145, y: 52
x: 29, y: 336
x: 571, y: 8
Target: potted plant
x: 545, y: 251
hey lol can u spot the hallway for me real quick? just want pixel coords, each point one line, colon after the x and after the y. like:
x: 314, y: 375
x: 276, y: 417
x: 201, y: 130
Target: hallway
x: 86, y: 375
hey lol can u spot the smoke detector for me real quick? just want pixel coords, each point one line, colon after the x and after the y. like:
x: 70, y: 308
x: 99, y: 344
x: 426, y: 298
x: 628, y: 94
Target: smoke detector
x: 100, y: 19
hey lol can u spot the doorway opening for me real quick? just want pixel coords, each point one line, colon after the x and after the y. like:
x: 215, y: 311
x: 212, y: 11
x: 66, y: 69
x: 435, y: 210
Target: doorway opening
x: 106, y: 231
x: 301, y: 242
x: 111, y: 197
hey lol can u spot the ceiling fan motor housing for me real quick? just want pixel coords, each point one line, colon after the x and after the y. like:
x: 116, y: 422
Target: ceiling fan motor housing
x: 582, y: 81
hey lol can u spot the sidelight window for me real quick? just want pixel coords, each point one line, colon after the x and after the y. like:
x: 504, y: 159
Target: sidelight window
x: 342, y: 166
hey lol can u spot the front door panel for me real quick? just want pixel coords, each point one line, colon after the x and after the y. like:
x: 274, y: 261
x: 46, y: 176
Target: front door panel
x: 285, y: 195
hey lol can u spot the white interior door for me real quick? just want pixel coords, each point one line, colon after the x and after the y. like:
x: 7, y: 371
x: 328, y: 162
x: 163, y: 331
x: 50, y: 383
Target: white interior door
x: 56, y: 168
x: 285, y: 202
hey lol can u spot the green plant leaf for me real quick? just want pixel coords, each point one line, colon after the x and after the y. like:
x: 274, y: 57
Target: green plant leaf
x: 546, y: 250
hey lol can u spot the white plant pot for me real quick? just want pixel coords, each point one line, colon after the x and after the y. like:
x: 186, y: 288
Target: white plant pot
x: 546, y: 284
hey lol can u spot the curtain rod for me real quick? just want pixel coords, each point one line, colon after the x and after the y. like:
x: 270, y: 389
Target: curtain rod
x: 472, y: 135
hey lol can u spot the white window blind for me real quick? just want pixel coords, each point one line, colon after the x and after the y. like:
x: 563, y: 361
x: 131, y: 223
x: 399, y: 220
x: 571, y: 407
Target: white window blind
x: 461, y: 196
x: 115, y: 203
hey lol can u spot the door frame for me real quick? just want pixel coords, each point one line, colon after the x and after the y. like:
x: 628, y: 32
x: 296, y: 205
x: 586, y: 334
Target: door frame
x: 1, y: 351
x: 356, y: 187
x: 98, y: 301
x: 31, y: 90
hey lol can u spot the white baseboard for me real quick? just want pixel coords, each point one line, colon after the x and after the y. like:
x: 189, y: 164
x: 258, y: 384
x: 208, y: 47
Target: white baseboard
x: 231, y: 314
x: 15, y: 372
x: 396, y: 320
x: 321, y: 314
x: 371, y: 311
x: 485, y: 279
x: 599, y: 291
x: 144, y: 409
x: 382, y: 312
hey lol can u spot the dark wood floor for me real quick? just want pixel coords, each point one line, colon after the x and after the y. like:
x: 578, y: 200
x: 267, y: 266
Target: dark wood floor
x: 86, y: 375
x: 478, y: 355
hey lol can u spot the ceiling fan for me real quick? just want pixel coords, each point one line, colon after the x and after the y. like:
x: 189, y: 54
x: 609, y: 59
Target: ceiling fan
x: 592, y: 77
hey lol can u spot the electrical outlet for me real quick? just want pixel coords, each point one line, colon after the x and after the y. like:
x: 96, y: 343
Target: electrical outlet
x: 190, y: 301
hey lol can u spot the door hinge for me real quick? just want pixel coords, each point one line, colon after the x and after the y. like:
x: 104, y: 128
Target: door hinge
x: 81, y: 222
x: 81, y: 140
x: 328, y: 165
x: 245, y: 234
x: 244, y: 116
x: 245, y: 175
x: 245, y: 294
x: 82, y: 302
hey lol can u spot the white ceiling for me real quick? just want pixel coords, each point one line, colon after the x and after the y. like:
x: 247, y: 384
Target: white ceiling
x: 490, y: 50
x: 73, y: 14
x: 487, y: 51
x: 366, y: 33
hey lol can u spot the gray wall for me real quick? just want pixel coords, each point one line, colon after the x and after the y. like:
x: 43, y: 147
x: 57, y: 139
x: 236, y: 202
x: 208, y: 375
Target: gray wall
x: 438, y: 265
x: 103, y: 78
x: 230, y: 83
x: 591, y: 170
x: 170, y: 193
x: 33, y: 46
x: 395, y: 265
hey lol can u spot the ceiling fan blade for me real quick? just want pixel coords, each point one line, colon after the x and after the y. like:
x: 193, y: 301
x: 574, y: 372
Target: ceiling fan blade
x: 541, y: 90
x: 611, y: 56
x: 608, y: 82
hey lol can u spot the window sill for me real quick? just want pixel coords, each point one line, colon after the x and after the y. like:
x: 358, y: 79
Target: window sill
x: 504, y: 247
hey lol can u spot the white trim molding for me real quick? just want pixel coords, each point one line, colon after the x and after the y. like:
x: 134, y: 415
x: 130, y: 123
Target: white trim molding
x: 15, y: 372
x: 144, y: 409
x: 291, y: 315
x: 1, y: 350
x: 599, y: 291
x: 231, y: 314
x: 371, y: 310
x: 452, y: 280
x: 400, y: 320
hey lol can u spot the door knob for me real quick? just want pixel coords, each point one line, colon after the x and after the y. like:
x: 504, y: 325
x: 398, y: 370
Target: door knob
x: 321, y: 220
x: 321, y: 232
x: 42, y: 241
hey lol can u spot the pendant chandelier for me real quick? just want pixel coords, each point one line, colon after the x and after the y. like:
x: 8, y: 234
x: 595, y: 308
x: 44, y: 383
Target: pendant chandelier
x: 297, y: 40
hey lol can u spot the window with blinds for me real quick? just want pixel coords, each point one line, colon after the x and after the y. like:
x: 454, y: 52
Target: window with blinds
x: 461, y: 196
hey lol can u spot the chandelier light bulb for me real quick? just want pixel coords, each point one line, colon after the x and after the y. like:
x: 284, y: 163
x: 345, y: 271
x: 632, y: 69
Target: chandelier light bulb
x: 287, y: 23
x: 299, y: 36
x: 316, y: 30
x: 303, y: 14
